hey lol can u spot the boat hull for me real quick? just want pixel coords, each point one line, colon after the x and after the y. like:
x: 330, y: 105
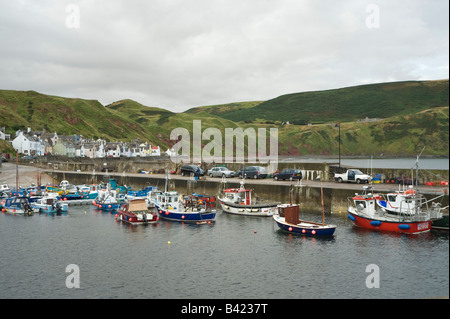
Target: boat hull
x: 389, y: 226
x: 134, y: 220
x: 249, y: 210
x: 107, y: 207
x: 305, y: 228
x: 441, y: 224
x: 192, y: 217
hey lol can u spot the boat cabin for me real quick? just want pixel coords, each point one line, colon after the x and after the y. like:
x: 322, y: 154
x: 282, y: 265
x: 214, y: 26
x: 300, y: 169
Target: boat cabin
x: 241, y: 196
x: 406, y: 202
x: 366, y: 203
x: 4, y: 188
x: 168, y: 200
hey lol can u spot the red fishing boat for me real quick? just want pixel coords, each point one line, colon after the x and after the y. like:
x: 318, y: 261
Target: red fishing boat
x: 364, y: 212
x: 136, y: 212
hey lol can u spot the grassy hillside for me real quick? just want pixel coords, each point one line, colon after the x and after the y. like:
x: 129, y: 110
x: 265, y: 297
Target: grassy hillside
x: 347, y: 104
x: 399, y: 136
x: 222, y: 109
x: 22, y: 109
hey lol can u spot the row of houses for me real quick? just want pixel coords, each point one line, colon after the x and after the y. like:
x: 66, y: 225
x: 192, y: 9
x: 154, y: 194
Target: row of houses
x: 39, y: 143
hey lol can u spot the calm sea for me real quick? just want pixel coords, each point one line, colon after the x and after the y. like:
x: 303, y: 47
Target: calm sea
x: 237, y: 257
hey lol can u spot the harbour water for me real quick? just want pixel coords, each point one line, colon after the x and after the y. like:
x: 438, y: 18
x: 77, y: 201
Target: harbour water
x: 237, y: 257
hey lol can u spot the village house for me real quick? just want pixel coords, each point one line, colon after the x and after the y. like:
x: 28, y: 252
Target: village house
x: 156, y: 151
x: 27, y: 144
x: 64, y: 148
x: 112, y: 149
x: 3, y: 135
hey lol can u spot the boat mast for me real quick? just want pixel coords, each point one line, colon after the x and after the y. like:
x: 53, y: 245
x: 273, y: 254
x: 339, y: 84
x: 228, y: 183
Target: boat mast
x: 17, y: 173
x: 323, y: 211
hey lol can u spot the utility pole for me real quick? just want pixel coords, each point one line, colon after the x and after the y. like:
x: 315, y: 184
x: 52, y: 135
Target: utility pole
x: 339, y: 126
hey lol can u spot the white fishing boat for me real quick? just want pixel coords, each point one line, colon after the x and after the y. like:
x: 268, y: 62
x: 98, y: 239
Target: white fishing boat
x: 240, y: 201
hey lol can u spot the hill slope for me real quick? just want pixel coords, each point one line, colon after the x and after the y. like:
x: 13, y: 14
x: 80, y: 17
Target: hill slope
x: 347, y: 104
x: 22, y: 109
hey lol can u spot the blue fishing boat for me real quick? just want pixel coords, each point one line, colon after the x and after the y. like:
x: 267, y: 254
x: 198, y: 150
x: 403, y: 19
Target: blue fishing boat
x: 50, y: 205
x: 288, y: 220
x: 19, y: 205
x: 174, y: 207
x: 108, y: 200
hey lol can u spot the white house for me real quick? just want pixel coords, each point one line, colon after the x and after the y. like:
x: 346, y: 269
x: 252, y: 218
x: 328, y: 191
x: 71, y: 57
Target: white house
x: 112, y: 149
x: 156, y: 151
x: 3, y: 135
x: 100, y: 148
x: 27, y: 144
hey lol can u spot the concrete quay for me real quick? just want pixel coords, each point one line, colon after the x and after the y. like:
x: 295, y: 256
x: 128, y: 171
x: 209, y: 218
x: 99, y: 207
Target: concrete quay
x: 307, y: 193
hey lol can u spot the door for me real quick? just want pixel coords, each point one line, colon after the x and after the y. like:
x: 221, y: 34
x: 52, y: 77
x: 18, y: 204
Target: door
x: 351, y: 175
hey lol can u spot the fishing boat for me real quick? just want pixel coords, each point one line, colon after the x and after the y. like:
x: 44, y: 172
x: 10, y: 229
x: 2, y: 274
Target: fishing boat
x: 288, y: 219
x: 441, y: 223
x: 400, y: 202
x: 4, y: 188
x: 50, y: 204
x: 19, y: 205
x: 364, y: 212
x: 141, y: 193
x: 107, y: 200
x: 136, y: 212
x: 241, y: 202
x: 55, y: 189
x: 175, y: 207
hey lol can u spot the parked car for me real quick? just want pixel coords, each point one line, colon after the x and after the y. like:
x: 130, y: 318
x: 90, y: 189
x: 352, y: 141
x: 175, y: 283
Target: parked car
x: 288, y: 173
x: 28, y: 157
x: 353, y: 175
x: 252, y: 172
x: 4, y: 159
x: 220, y: 172
x: 191, y: 169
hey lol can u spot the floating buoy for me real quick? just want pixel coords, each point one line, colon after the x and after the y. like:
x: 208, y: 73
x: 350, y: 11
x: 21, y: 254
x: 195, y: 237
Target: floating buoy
x: 254, y: 231
x: 182, y: 217
x: 169, y: 242
x: 404, y: 226
x: 351, y: 217
x: 313, y: 232
x: 290, y: 228
x: 303, y: 231
x: 167, y: 213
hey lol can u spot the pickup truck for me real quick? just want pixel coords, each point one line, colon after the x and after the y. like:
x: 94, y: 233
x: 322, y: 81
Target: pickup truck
x: 353, y: 175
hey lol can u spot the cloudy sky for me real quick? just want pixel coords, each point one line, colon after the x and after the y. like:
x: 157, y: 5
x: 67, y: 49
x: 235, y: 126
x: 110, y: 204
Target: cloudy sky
x: 178, y: 54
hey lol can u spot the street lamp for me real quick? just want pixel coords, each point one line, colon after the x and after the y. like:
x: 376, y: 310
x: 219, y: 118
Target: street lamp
x: 339, y: 138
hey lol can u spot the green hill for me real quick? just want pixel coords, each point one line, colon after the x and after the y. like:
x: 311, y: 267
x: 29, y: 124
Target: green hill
x: 22, y: 109
x: 347, y: 104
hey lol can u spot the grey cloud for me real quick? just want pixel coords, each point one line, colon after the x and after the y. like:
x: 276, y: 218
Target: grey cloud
x: 177, y: 54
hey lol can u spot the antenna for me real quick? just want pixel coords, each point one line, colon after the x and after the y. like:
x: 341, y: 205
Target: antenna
x: 416, y: 166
